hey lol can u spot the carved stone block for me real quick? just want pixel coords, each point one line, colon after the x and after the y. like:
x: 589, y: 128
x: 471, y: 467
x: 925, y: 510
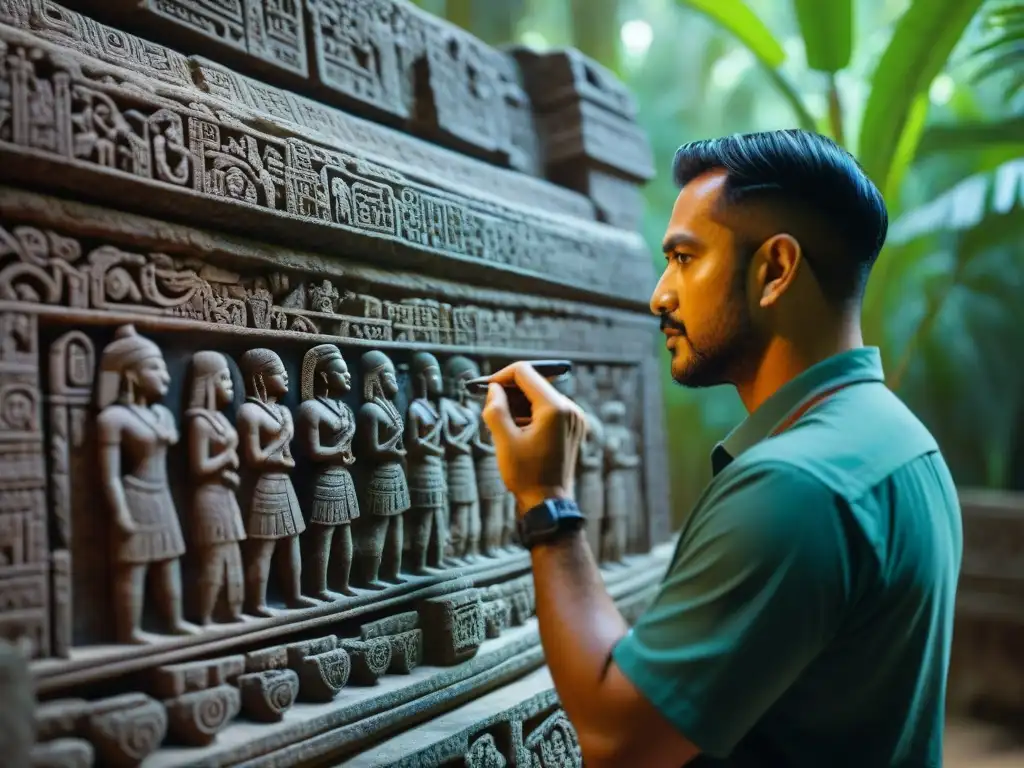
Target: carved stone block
x: 497, y: 616
x: 270, y: 31
x: 297, y: 652
x: 275, y: 657
x: 406, y: 651
x: 267, y: 695
x: 370, y: 659
x: 195, y: 718
x: 177, y: 679
x: 390, y: 625
x: 323, y: 675
x: 362, y: 53
x: 453, y: 627
x: 60, y: 718
x: 484, y: 753
x: 63, y: 753
x: 553, y: 743
x: 522, y: 604
x: 129, y: 732
x: 587, y: 123
x: 565, y: 76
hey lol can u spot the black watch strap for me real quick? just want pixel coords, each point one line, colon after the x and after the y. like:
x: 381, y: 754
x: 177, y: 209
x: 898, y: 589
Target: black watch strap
x: 549, y: 520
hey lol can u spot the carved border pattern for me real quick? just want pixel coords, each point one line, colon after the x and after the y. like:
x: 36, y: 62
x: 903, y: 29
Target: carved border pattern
x: 75, y: 120
x: 416, y: 157
x: 44, y: 267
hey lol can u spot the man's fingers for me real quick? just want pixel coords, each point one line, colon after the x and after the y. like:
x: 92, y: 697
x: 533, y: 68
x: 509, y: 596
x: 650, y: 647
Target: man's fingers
x: 537, y: 389
x: 496, y: 413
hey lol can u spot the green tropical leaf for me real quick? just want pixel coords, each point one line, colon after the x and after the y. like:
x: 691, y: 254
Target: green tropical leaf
x: 1004, y: 49
x: 924, y: 37
x: 827, y: 30
x: 952, y: 137
x: 965, y: 205
x: 906, y: 148
x: 736, y: 18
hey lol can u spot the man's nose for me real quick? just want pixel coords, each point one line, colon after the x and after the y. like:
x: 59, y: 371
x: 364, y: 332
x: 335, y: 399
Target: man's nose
x: 664, y: 299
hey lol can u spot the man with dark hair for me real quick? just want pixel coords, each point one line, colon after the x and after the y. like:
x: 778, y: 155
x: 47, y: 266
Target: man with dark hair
x: 806, y: 617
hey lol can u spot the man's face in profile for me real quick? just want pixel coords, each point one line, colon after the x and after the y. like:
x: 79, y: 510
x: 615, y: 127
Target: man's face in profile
x: 701, y: 296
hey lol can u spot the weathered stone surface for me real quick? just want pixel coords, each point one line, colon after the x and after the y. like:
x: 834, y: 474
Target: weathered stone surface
x: 267, y: 695
x: 195, y: 718
x: 323, y: 675
x: 453, y: 627
x: 181, y: 372
x: 178, y: 679
x: 126, y: 731
x: 63, y: 753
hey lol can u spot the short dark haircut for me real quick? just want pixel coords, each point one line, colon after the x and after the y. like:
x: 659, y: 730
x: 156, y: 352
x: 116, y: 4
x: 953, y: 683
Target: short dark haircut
x: 807, y: 177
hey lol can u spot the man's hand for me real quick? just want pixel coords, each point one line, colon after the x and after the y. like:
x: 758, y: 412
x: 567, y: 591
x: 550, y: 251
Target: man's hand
x: 538, y: 461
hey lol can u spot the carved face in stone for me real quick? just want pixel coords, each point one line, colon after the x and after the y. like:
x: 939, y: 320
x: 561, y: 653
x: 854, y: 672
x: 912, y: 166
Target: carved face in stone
x: 224, y: 387
x: 150, y: 377
x: 276, y: 382
x: 389, y: 381
x: 339, y: 380
x: 432, y: 381
x: 235, y: 183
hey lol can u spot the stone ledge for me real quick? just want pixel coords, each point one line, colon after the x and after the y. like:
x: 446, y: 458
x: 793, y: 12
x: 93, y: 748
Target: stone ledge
x: 93, y: 664
x: 362, y: 715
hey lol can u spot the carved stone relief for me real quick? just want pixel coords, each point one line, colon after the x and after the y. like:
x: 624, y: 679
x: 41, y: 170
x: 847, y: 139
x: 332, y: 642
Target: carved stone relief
x: 214, y: 462
x: 387, y: 491
x: 75, y: 116
x: 428, y: 486
x: 238, y: 467
x: 327, y: 427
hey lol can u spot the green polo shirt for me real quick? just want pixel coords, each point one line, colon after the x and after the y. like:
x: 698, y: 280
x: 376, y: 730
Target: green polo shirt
x: 807, y: 614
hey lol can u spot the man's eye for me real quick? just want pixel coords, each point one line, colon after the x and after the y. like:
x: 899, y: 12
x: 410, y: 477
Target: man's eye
x: 682, y: 258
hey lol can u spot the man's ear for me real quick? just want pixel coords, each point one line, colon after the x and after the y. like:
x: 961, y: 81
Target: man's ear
x: 778, y: 260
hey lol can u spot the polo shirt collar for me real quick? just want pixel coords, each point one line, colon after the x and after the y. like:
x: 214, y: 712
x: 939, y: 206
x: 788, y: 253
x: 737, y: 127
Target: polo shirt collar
x: 853, y: 366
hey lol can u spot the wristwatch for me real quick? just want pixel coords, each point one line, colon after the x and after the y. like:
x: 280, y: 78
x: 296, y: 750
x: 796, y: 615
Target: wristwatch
x: 548, y: 521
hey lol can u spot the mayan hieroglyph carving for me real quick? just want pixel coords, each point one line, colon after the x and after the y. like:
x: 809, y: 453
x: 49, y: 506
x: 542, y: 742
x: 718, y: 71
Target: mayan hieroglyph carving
x: 327, y: 426
x: 428, y: 487
x: 134, y: 432
x: 217, y: 527
x: 460, y: 428
x: 359, y: 53
x: 233, y: 433
x: 271, y: 32
x: 381, y: 433
x: 80, y: 113
x: 274, y: 519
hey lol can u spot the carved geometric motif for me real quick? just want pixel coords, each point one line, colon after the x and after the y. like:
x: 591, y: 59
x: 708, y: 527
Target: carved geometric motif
x: 553, y: 744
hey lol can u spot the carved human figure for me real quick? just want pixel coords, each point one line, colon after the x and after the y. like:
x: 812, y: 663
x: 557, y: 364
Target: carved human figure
x: 428, y: 526
x: 135, y: 432
x: 460, y: 417
x: 386, y: 497
x: 621, y: 465
x: 508, y: 523
x: 326, y: 427
x: 217, y: 526
x: 495, y: 517
x: 590, y: 479
x: 272, y: 509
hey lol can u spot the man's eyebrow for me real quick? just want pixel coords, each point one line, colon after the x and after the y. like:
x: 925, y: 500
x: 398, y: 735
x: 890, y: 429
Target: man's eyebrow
x: 677, y: 239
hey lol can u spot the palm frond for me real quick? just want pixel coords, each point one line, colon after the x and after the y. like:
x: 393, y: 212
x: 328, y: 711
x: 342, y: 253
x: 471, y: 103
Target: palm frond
x: 1002, y: 52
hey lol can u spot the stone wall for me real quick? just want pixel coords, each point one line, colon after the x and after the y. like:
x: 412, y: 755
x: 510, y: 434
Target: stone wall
x: 249, y: 254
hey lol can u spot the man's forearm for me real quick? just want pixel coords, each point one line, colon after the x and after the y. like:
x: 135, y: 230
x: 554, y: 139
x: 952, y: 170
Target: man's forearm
x: 579, y: 625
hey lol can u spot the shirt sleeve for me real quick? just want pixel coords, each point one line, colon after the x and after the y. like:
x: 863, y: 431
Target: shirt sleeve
x: 754, y: 592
